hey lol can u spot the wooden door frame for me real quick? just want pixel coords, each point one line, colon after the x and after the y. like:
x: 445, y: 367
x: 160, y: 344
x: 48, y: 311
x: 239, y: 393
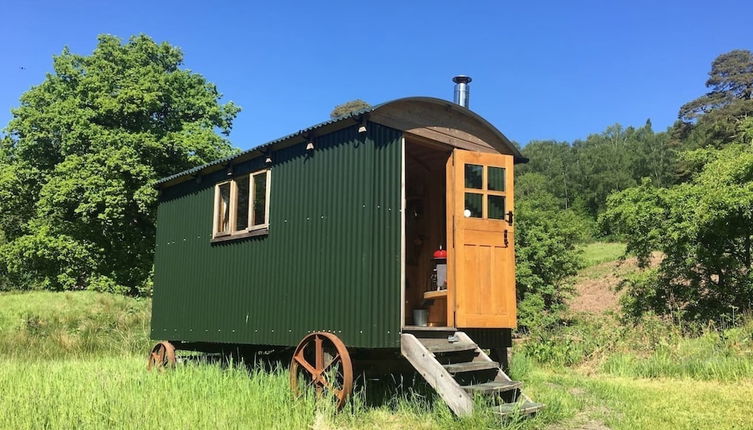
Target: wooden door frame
x: 403, y: 206
x: 450, y: 235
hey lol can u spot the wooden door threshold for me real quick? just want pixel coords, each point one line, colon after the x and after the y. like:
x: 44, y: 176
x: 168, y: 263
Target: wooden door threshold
x: 412, y: 328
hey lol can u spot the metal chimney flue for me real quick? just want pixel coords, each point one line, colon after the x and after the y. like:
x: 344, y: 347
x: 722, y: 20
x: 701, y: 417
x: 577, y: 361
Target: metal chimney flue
x: 462, y: 90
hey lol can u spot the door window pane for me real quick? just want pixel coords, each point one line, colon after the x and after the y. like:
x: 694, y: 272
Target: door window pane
x: 260, y: 199
x: 241, y: 212
x: 496, y: 178
x: 496, y: 207
x: 223, y: 209
x: 473, y: 174
x: 473, y: 204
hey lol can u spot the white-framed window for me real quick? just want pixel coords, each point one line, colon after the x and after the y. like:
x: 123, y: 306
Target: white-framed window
x: 241, y: 205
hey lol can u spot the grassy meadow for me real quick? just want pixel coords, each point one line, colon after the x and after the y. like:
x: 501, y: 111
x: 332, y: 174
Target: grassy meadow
x: 595, y: 253
x: 77, y: 360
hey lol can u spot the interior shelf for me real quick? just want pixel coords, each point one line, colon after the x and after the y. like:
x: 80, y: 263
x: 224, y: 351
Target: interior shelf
x: 435, y: 294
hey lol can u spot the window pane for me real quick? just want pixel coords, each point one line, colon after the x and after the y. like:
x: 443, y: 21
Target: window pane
x: 496, y: 207
x: 496, y: 178
x: 223, y: 209
x: 260, y: 198
x: 473, y: 205
x: 473, y: 174
x: 241, y: 212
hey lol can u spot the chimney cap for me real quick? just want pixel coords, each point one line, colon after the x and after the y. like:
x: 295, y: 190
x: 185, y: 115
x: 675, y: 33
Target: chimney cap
x: 461, y: 79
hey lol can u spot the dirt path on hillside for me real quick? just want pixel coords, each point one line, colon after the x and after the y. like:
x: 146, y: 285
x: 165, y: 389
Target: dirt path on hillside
x: 596, y: 286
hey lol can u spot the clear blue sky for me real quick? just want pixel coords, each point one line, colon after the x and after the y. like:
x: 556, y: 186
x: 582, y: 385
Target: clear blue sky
x: 541, y: 70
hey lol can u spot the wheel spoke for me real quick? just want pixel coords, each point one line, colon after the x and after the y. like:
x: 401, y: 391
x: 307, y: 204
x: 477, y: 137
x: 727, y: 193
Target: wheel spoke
x: 335, y: 391
x: 305, y: 364
x: 319, y: 354
x: 335, y: 359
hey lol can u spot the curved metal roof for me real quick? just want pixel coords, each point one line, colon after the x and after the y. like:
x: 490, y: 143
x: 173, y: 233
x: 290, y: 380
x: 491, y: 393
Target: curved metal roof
x: 345, y: 121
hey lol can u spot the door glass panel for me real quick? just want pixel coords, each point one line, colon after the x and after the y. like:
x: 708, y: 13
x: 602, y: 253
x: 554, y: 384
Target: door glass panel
x: 496, y: 207
x: 496, y: 178
x: 473, y: 204
x: 241, y: 213
x: 473, y: 174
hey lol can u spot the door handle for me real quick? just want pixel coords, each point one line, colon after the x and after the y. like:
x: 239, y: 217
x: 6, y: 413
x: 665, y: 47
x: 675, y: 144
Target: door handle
x: 507, y: 242
x: 509, y: 217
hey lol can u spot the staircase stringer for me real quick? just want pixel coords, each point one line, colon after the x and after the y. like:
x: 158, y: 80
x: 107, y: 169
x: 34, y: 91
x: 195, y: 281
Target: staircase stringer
x: 436, y: 375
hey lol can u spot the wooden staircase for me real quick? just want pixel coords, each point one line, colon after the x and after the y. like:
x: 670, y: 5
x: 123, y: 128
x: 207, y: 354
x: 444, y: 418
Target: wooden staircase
x: 458, y: 370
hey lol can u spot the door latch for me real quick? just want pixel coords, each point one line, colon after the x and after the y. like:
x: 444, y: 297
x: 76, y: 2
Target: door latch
x: 509, y: 217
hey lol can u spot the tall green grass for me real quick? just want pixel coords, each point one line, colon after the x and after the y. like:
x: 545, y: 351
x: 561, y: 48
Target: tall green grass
x: 89, y: 372
x: 118, y: 392
x: 650, y: 348
x: 50, y: 325
x: 725, y: 355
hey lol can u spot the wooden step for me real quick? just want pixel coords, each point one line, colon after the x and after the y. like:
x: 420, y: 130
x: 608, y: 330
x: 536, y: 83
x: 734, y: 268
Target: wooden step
x: 522, y: 408
x: 493, y: 387
x: 471, y: 366
x: 439, y: 348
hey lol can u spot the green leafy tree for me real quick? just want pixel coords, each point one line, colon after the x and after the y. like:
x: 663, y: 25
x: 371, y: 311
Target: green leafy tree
x: 80, y: 153
x: 348, y: 107
x: 712, y: 119
x: 546, y: 256
x: 556, y: 162
x: 704, y: 229
x: 730, y: 80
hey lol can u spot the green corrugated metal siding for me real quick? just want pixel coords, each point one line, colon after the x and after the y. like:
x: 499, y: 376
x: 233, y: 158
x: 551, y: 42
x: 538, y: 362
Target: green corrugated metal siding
x: 331, y: 260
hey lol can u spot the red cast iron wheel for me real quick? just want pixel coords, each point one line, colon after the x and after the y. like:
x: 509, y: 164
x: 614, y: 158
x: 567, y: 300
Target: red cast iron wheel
x: 161, y: 357
x: 321, y: 361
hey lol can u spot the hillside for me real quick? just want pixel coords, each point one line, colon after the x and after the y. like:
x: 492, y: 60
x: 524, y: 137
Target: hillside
x: 596, y: 285
x: 86, y: 352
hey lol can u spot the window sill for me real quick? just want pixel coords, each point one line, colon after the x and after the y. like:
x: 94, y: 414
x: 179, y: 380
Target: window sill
x: 241, y: 235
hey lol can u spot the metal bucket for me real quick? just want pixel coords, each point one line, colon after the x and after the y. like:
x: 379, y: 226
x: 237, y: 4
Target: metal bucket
x: 420, y: 317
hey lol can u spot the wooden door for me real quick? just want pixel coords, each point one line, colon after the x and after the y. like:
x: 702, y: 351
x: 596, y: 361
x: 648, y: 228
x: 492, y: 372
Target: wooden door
x: 480, y: 236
